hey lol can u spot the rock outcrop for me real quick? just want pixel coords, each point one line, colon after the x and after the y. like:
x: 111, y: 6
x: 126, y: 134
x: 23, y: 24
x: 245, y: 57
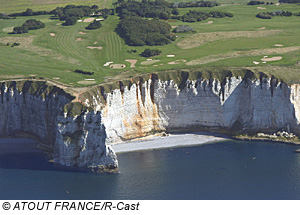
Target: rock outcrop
x: 74, y: 135
x: 81, y: 134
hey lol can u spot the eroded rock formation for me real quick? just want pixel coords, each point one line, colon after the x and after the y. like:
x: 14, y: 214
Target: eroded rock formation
x: 74, y: 135
x: 81, y: 134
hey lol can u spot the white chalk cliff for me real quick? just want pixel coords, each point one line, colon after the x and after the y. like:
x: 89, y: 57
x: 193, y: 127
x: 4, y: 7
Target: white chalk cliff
x: 83, y: 138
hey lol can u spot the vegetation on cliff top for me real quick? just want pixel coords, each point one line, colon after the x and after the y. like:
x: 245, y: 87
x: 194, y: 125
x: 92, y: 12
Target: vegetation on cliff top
x: 56, y: 50
x: 75, y: 109
x: 40, y: 88
x: 179, y: 77
x: 44, y: 90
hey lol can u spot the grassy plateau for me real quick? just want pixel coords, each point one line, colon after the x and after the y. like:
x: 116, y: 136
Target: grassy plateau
x: 55, y: 51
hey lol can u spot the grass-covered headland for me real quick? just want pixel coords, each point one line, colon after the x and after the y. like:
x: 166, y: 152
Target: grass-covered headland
x: 106, y: 41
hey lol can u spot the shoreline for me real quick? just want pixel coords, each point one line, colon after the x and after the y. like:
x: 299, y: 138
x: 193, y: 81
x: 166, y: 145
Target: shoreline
x: 169, y: 141
x: 174, y: 140
x: 252, y: 138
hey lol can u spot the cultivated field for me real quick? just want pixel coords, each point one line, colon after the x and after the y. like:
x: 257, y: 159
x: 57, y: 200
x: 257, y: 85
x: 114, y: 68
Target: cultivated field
x: 55, y: 51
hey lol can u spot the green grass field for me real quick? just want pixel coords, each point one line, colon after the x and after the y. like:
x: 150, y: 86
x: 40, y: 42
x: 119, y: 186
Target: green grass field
x: 230, y: 42
x: 15, y: 6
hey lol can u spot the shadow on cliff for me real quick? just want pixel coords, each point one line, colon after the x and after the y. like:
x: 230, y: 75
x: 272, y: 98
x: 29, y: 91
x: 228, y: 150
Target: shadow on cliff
x: 253, y: 108
x: 233, y: 106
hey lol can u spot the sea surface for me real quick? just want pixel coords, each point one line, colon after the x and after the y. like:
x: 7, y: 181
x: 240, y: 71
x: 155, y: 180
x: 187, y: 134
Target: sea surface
x: 222, y: 170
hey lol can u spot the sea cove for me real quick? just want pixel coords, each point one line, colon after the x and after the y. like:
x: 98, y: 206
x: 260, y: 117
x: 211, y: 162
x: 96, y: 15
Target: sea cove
x: 222, y: 170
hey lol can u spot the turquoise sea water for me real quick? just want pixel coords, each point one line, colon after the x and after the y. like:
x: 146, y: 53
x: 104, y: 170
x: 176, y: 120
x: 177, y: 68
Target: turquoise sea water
x: 224, y: 170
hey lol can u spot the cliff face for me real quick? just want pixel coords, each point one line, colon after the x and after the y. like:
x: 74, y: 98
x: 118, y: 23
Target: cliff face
x: 234, y: 104
x: 80, y: 142
x: 80, y: 134
x: 238, y: 104
x: 40, y: 110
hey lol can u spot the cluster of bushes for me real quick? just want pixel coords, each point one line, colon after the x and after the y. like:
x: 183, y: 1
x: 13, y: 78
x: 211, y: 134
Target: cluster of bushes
x: 217, y: 14
x: 264, y: 15
x: 30, y: 24
x: 20, y: 30
x: 4, y: 16
x: 72, y: 11
x: 33, y: 24
x: 150, y: 9
x: 194, y: 16
x: 195, y: 4
x: 157, y: 9
x: 106, y: 12
x: 70, y: 20
x: 268, y: 15
x: 260, y: 2
x: 256, y: 2
x: 131, y: 51
x: 13, y: 45
x: 150, y: 52
x: 139, y: 32
x: 94, y: 25
x: 64, y: 12
x: 197, y: 16
x: 83, y: 72
x: 30, y: 12
x: 69, y: 13
x: 183, y: 29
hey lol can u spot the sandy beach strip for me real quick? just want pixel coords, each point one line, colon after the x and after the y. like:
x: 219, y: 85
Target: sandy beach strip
x: 170, y: 141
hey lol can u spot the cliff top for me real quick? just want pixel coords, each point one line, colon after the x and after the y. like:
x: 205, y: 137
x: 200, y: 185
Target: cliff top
x: 77, y: 57
x: 78, y: 96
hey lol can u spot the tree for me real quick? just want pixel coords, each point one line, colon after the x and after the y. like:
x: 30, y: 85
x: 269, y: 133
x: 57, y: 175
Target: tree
x: 138, y: 31
x: 33, y: 24
x: 151, y: 52
x: 4, y: 16
x: 263, y: 16
x: 195, y: 4
x: 94, y: 25
x: 197, y: 16
x: 164, y: 16
x: 95, y: 7
x: 28, y: 12
x: 70, y: 20
x: 150, y: 9
x: 175, y: 11
x: 256, y: 2
x: 106, y: 12
x: 20, y: 30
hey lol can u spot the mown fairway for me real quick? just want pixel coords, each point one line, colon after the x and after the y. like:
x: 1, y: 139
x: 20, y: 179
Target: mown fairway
x: 56, y: 51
